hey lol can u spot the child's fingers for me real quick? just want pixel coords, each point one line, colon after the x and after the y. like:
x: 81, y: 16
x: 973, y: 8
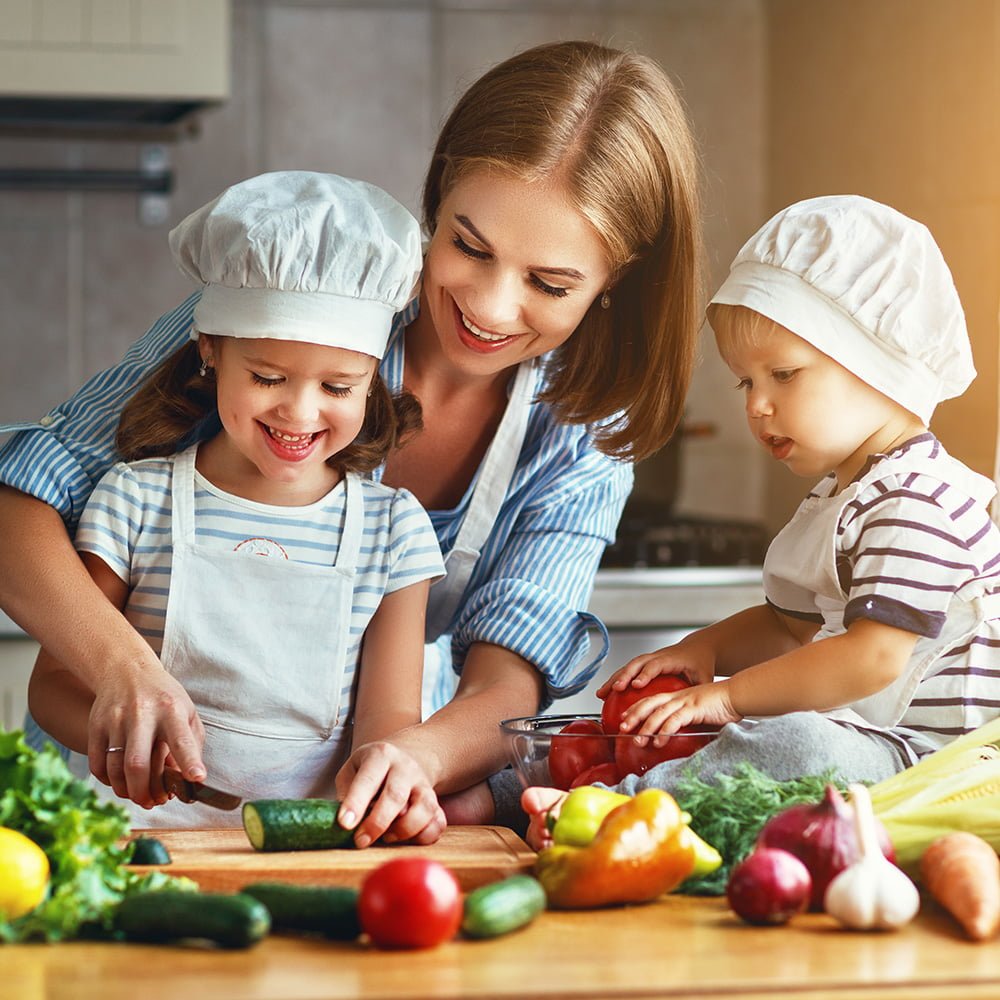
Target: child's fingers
x: 635, y: 715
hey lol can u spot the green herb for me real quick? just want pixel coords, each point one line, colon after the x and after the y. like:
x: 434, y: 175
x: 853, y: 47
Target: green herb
x: 730, y: 811
x: 40, y: 798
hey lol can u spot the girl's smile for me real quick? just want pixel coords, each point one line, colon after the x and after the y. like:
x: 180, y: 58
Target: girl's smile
x: 286, y: 407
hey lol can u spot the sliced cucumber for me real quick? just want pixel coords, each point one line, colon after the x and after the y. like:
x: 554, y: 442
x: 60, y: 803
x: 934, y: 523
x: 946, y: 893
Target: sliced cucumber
x: 294, y: 825
x: 502, y: 907
x: 328, y: 910
x: 231, y: 920
x: 149, y: 851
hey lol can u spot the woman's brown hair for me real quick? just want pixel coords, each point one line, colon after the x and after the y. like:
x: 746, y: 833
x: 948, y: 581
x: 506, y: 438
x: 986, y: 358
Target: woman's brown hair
x: 177, y: 398
x: 609, y: 126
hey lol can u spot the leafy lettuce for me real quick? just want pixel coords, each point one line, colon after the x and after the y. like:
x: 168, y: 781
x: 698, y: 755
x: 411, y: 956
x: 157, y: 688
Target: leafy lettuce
x: 79, y: 833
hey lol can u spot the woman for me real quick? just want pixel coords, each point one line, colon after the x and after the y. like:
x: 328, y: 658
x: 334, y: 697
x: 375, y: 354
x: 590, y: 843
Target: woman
x: 551, y: 345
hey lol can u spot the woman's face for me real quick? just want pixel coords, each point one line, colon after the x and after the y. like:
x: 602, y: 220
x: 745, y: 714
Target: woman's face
x: 510, y: 272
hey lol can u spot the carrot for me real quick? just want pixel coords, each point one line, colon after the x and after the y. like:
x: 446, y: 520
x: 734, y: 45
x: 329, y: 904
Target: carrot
x: 962, y: 872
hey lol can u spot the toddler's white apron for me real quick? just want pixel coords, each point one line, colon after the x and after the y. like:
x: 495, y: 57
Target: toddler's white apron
x: 259, y: 644
x: 801, y: 563
x: 491, y: 489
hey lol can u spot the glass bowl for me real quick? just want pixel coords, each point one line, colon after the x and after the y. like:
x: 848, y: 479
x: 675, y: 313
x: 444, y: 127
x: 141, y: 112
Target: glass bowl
x: 542, y: 753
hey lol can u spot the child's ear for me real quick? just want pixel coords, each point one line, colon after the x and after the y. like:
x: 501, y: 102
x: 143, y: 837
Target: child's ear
x: 205, y: 347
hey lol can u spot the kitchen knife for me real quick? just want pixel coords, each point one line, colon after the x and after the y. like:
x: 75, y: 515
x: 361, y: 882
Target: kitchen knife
x: 195, y: 791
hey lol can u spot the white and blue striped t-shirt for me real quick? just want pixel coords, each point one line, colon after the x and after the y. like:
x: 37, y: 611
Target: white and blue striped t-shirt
x: 533, y: 581
x: 909, y: 547
x: 128, y: 521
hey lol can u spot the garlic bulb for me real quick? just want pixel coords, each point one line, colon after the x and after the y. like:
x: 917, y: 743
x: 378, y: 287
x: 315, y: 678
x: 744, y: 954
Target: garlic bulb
x: 872, y: 893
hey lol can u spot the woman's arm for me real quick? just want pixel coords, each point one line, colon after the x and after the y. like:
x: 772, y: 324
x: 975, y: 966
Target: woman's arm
x: 46, y: 589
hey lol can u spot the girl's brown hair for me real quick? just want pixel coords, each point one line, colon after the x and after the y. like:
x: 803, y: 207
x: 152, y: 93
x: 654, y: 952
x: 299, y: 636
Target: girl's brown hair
x: 608, y: 126
x: 176, y: 398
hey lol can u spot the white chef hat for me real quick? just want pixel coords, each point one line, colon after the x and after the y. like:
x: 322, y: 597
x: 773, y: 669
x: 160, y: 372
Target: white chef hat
x: 865, y: 285
x: 296, y: 255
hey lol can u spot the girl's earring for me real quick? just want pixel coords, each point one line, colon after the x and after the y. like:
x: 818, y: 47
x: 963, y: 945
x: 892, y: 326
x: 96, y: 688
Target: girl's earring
x: 203, y: 370
x: 606, y: 300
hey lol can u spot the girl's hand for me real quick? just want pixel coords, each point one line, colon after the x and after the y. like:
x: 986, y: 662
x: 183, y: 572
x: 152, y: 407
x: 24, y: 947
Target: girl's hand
x: 383, y: 789
x: 694, y: 662
x: 706, y: 704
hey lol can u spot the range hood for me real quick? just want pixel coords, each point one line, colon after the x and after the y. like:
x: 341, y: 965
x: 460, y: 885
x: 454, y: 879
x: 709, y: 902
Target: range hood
x: 130, y: 69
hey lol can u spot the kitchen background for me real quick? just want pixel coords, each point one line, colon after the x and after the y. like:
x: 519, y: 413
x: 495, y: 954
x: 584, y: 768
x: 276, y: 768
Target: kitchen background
x: 895, y: 99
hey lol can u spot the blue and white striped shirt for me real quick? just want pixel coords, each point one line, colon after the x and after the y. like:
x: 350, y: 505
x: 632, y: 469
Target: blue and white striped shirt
x: 532, y: 583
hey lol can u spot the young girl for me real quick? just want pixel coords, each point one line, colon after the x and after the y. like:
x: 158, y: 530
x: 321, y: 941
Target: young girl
x: 255, y: 562
x: 879, y: 639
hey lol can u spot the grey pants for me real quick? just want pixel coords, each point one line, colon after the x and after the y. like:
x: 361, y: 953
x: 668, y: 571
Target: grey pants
x: 786, y: 746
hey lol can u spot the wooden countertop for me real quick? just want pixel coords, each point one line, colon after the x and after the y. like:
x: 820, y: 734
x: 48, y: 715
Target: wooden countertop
x: 677, y: 947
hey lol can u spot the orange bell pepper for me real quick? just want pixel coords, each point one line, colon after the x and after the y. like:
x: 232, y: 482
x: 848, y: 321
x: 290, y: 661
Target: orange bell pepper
x: 639, y: 852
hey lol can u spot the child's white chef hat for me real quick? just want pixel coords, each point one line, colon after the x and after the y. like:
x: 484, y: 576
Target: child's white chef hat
x: 296, y: 255
x: 865, y: 285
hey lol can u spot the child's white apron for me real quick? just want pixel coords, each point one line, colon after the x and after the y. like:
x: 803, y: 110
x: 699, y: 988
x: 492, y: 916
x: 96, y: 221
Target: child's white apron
x: 800, y: 567
x: 259, y: 644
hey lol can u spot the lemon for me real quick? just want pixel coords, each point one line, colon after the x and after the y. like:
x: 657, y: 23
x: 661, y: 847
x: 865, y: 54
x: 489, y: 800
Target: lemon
x: 24, y: 874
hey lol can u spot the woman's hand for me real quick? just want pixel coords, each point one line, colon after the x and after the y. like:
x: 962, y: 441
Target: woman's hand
x: 384, y: 792
x: 146, y: 712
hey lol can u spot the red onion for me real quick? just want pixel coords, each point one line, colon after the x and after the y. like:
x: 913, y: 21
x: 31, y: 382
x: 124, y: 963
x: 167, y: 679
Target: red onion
x: 769, y: 886
x: 822, y: 836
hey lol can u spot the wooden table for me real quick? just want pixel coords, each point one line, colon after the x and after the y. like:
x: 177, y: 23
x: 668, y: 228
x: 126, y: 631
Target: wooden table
x: 678, y: 947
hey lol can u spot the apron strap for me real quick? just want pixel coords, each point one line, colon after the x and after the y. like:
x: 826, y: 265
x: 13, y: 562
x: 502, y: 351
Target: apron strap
x: 488, y: 495
x: 182, y: 496
x: 350, y: 536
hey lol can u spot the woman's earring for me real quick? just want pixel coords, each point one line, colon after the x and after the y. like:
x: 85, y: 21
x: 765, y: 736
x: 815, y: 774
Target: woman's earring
x: 606, y: 300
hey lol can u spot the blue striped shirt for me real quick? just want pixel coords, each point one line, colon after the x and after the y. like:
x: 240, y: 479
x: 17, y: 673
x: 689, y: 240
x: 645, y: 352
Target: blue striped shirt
x: 128, y: 525
x: 533, y: 581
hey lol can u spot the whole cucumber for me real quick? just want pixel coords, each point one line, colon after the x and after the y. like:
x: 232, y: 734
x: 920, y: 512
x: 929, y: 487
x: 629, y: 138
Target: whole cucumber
x: 231, y: 920
x: 328, y: 910
x: 502, y: 907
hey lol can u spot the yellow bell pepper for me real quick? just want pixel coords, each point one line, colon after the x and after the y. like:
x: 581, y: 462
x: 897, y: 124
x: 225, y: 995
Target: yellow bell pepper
x: 641, y: 851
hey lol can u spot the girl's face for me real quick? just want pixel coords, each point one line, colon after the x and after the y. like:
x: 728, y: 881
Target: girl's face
x: 286, y: 407
x: 510, y: 272
x: 805, y: 409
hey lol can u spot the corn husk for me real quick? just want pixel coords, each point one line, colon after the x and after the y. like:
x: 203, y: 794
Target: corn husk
x: 954, y: 788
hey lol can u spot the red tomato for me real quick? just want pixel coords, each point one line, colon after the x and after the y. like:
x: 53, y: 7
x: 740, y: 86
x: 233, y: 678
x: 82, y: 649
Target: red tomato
x: 606, y: 774
x: 616, y: 702
x: 634, y: 759
x: 410, y: 903
x: 576, y: 747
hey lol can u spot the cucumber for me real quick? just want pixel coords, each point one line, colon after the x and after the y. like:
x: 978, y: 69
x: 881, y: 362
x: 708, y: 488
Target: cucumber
x: 149, y: 851
x: 294, y: 825
x: 502, y: 907
x: 231, y: 920
x: 328, y: 910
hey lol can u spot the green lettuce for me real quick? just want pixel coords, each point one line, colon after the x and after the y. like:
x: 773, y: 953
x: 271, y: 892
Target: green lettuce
x: 79, y: 833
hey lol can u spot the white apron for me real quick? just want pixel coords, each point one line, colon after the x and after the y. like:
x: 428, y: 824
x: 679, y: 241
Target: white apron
x: 259, y: 644
x: 801, y: 566
x: 492, y: 487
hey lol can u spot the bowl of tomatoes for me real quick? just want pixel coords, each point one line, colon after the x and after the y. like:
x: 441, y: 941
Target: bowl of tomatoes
x: 563, y: 751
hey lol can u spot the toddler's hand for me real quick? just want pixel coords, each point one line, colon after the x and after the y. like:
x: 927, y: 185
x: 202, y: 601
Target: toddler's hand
x: 696, y: 665
x: 705, y: 704
x: 538, y: 802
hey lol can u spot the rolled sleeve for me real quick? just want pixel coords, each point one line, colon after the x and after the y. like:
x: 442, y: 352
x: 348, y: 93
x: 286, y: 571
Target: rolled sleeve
x: 532, y: 600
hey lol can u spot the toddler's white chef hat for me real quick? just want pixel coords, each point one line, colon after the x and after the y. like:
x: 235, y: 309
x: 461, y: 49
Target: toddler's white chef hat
x: 296, y: 255
x: 865, y: 285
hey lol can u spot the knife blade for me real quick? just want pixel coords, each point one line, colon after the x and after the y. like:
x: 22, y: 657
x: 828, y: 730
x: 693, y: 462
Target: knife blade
x: 195, y: 791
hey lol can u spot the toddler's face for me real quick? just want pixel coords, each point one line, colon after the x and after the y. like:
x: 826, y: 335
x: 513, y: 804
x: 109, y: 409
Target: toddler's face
x: 807, y: 410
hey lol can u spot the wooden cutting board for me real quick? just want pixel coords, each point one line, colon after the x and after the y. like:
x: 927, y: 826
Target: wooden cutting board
x: 224, y: 861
